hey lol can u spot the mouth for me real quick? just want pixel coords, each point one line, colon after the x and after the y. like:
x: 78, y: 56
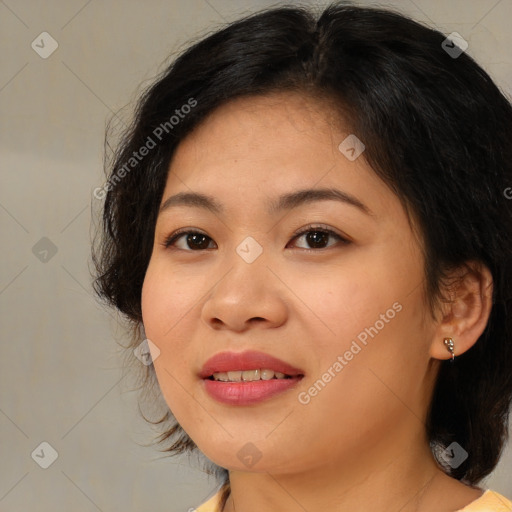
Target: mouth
x: 250, y: 375
x: 248, y: 366
x: 247, y: 393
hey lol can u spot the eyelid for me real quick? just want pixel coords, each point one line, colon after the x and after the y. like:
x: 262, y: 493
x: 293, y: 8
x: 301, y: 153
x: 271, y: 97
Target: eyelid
x: 169, y: 240
x: 324, y: 228
x: 320, y: 227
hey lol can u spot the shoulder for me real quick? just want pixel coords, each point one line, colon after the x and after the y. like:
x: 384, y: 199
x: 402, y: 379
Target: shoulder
x: 212, y: 505
x: 490, y: 501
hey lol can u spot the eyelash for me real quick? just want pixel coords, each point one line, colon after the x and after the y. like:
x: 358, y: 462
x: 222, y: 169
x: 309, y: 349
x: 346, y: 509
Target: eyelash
x: 171, y: 239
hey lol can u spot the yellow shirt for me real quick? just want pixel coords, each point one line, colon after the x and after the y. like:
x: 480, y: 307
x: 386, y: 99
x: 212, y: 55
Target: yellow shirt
x: 490, y: 501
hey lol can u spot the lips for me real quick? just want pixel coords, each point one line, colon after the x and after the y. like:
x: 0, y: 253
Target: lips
x: 248, y: 360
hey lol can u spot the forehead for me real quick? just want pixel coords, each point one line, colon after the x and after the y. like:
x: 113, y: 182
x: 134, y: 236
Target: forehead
x: 255, y: 147
x: 268, y: 127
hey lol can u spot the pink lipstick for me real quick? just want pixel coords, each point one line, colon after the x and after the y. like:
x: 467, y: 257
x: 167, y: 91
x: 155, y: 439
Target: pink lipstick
x: 230, y: 384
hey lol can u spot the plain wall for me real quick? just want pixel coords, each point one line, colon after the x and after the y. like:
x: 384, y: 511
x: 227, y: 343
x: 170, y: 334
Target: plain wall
x: 60, y: 375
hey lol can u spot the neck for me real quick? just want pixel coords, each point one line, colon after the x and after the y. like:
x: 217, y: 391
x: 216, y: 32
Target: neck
x: 395, y: 476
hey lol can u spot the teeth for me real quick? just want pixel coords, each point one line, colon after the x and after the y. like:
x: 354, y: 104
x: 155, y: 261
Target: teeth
x: 267, y: 374
x: 248, y: 375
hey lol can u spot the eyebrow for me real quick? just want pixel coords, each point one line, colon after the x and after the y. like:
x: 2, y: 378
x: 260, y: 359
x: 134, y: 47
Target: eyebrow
x: 284, y: 202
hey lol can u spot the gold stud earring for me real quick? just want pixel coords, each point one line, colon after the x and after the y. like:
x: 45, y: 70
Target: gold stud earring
x: 450, y: 347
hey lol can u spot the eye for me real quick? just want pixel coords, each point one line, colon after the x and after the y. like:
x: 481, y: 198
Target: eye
x: 317, y: 236
x: 194, y: 240
x: 191, y: 240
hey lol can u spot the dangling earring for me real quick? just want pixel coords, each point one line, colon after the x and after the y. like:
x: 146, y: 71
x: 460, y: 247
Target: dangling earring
x: 450, y: 346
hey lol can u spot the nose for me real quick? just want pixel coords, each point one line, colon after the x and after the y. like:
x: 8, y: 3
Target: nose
x: 249, y: 295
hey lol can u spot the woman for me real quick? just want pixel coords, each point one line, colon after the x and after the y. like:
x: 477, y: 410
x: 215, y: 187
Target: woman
x: 308, y: 226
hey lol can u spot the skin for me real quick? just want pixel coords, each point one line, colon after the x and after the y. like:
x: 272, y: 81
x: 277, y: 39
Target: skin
x: 360, y: 443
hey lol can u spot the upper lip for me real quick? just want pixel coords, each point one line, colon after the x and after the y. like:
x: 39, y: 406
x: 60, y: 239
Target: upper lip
x: 248, y: 360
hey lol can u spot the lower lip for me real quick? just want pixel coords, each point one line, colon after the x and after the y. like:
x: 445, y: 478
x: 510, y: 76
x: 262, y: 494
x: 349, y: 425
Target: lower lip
x: 245, y: 393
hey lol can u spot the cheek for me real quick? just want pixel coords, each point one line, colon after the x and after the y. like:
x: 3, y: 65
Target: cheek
x: 165, y: 302
x: 370, y: 313
x: 170, y: 301
x: 166, y: 297
x: 344, y: 303
x: 153, y: 303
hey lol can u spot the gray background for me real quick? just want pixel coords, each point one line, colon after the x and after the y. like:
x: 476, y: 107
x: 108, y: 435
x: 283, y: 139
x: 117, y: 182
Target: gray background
x: 60, y: 375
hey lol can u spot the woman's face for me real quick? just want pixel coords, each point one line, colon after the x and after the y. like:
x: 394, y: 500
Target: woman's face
x: 345, y: 308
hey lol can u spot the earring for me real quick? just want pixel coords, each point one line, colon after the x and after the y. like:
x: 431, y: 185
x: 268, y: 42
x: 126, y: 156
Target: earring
x: 450, y: 346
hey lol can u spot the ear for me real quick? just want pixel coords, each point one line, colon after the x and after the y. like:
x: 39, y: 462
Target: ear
x: 465, y: 314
